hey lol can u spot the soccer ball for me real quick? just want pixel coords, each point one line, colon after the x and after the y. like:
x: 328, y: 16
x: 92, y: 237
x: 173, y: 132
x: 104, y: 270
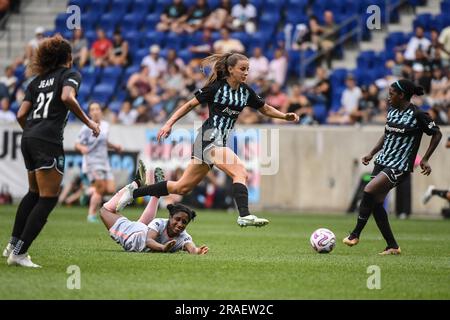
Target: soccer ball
x: 323, y: 240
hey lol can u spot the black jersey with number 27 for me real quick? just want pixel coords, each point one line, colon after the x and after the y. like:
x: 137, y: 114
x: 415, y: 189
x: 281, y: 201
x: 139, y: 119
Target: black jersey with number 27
x: 48, y: 115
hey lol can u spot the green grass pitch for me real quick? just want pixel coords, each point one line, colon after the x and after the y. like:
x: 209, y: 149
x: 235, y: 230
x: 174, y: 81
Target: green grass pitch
x: 274, y: 262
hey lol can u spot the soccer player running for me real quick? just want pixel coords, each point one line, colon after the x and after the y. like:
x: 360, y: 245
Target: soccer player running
x: 399, y: 145
x: 95, y: 159
x: 226, y: 94
x: 149, y: 234
x: 42, y: 116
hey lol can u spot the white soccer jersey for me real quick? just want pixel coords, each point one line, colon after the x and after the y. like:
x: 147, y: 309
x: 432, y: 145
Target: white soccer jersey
x: 160, y: 226
x: 97, y: 157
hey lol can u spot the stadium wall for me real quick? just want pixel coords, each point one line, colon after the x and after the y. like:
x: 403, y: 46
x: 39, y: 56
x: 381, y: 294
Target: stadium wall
x: 318, y: 167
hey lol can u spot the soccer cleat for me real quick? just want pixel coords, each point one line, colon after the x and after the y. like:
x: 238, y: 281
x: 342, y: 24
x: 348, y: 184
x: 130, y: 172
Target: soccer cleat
x: 22, y: 260
x: 127, y: 197
x: 390, y: 251
x: 252, y: 220
x: 141, y: 176
x: 350, y: 241
x: 9, y: 248
x: 159, y: 175
x: 428, y: 194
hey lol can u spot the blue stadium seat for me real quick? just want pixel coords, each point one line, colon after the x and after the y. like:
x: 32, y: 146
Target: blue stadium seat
x: 153, y: 37
x: 274, y: 5
x: 185, y: 55
x: 109, y: 21
x: 140, y: 54
x: 175, y: 41
x: 115, y: 106
x: 82, y: 4
x: 423, y: 20
x: 151, y: 20
x: 320, y: 113
x: 337, y: 78
x: 132, y: 21
x: 60, y: 22
x: 111, y: 72
x: 102, y: 93
x: 120, y: 6
x: 142, y: 6
x: 99, y: 6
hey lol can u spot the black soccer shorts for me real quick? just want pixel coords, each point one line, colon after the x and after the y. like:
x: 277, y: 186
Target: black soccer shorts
x: 395, y: 176
x: 39, y: 154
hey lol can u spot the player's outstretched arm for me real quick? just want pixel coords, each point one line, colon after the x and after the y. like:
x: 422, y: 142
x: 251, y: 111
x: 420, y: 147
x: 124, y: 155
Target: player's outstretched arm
x: 158, y: 247
x: 192, y: 249
x: 435, y: 139
x: 271, y: 112
x: 164, y: 132
x: 68, y: 98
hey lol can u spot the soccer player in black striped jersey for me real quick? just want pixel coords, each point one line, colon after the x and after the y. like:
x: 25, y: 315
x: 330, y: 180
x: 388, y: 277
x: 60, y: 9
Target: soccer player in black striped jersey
x: 399, y: 144
x: 42, y: 116
x: 226, y: 95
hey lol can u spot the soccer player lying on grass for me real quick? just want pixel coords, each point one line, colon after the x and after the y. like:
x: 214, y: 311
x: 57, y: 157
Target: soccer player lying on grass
x: 149, y: 234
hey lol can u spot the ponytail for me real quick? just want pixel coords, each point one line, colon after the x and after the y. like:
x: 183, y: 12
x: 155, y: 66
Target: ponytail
x: 219, y: 64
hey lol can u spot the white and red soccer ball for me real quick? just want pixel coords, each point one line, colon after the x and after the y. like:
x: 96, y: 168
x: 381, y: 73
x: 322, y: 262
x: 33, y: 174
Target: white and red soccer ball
x: 323, y: 240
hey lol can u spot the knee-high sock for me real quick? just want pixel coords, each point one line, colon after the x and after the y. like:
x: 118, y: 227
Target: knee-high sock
x: 365, y: 209
x: 382, y: 220
x: 150, y: 211
x: 158, y: 190
x: 94, y: 203
x: 23, y: 211
x: 112, y: 203
x: 35, y: 222
x: 240, y: 195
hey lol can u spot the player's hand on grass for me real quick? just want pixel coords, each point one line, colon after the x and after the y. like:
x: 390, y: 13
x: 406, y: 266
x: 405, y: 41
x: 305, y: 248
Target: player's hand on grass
x: 168, y: 245
x: 95, y: 127
x: 291, y: 117
x: 366, y: 159
x: 202, y: 250
x: 426, y: 168
x: 164, y: 132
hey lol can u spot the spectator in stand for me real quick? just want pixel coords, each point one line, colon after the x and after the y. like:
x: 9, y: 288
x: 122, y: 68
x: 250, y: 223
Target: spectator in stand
x: 397, y: 66
x: 320, y: 90
x: 6, y: 115
x: 127, y: 115
x: 258, y: 66
x: 174, y: 86
x: 33, y: 44
x: 80, y: 51
x: 220, y: 18
x: 348, y: 113
x: 172, y: 17
x: 118, y: 55
x: 299, y: 104
x: 9, y: 80
x: 435, y: 50
x: 140, y: 85
x: 101, y: 49
x: 416, y: 42
x: 228, y: 44
x: 421, y: 77
x: 156, y: 64
x: 308, y: 37
x: 196, y: 16
x: 173, y: 58
x: 444, y: 39
x: 205, y: 48
x: 277, y: 99
x: 439, y: 85
x: 278, y: 68
x: 244, y: 16
x: 329, y: 36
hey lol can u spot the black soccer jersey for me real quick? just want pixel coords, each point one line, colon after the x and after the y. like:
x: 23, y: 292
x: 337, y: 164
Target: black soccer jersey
x: 402, y: 135
x: 225, y: 104
x: 48, y: 115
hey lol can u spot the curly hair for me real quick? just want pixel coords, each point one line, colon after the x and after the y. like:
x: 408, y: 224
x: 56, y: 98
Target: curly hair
x: 52, y: 53
x: 408, y: 88
x: 175, y: 208
x: 220, y: 63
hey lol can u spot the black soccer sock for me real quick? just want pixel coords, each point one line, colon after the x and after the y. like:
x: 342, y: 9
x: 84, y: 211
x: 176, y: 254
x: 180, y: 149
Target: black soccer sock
x: 365, y: 209
x: 23, y: 211
x: 157, y: 190
x: 240, y: 195
x: 440, y: 193
x: 381, y: 218
x: 35, y: 222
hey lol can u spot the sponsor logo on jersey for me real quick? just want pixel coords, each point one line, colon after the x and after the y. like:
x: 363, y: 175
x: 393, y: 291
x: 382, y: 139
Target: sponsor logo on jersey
x: 431, y: 125
x: 392, y: 129
x: 230, y: 112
